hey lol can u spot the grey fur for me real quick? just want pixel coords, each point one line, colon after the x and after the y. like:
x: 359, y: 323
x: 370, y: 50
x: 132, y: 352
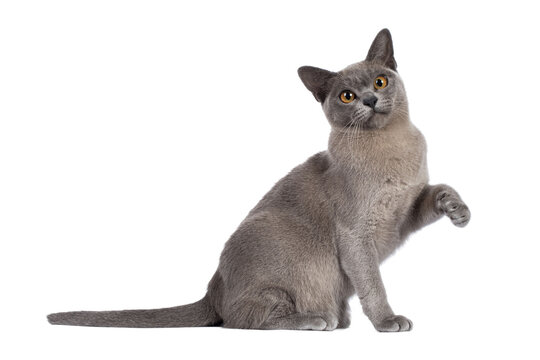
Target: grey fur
x: 319, y: 235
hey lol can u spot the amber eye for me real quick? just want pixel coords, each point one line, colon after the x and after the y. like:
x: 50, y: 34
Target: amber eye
x: 347, y: 96
x: 380, y: 82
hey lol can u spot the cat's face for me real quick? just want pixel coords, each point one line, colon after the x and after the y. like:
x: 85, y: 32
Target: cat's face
x: 366, y: 95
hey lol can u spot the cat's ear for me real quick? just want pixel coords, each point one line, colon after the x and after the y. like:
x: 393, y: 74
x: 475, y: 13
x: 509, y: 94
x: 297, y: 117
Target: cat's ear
x: 382, y: 50
x: 316, y: 80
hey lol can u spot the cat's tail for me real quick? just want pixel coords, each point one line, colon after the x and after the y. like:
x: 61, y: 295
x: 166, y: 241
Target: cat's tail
x: 200, y: 313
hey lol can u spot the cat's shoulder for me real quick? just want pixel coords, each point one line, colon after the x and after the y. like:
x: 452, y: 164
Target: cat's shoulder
x: 312, y: 171
x: 318, y: 163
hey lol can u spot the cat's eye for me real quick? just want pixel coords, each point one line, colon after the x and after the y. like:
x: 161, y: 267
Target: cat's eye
x: 347, y: 96
x: 380, y: 82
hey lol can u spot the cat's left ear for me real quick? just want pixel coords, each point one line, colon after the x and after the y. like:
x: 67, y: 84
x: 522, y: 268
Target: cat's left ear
x: 382, y: 50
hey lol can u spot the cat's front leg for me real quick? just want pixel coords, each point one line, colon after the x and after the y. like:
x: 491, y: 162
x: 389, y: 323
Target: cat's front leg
x: 434, y: 202
x: 360, y: 261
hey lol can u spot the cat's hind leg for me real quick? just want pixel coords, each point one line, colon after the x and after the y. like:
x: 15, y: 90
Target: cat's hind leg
x: 301, y: 321
x: 251, y: 309
x: 272, y: 309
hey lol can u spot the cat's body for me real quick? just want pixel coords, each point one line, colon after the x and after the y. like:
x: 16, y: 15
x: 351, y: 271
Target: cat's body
x: 319, y: 235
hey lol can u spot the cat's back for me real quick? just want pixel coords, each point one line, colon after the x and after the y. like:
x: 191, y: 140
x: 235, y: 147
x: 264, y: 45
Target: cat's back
x: 288, y: 232
x: 295, y: 213
x: 301, y: 188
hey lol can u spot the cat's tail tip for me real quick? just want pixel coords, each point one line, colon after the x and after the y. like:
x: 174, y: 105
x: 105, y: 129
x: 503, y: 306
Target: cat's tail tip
x: 63, y: 318
x: 53, y: 319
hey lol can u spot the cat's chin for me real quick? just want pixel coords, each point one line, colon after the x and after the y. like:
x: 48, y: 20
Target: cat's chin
x: 375, y: 121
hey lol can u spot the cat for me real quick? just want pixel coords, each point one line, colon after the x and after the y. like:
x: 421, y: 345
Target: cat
x: 319, y: 235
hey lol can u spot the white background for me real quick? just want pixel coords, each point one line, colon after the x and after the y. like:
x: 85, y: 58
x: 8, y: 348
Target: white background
x: 135, y: 136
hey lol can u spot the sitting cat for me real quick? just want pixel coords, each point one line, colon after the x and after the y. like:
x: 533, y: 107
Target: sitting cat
x: 318, y: 236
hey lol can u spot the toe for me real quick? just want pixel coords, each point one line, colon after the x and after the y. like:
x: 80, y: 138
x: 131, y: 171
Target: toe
x: 404, y: 323
x: 317, y: 323
x: 331, y: 323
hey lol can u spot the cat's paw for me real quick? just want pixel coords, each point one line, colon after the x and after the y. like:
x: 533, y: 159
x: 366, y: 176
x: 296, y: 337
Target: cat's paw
x: 394, y: 323
x: 315, y: 323
x: 327, y: 323
x: 331, y: 323
x: 450, y: 204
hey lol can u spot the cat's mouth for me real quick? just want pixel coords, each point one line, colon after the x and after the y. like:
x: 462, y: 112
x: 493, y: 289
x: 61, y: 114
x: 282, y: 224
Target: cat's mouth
x: 367, y: 119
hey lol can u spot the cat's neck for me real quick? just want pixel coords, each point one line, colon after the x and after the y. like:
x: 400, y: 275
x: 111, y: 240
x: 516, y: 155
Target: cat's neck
x: 354, y: 148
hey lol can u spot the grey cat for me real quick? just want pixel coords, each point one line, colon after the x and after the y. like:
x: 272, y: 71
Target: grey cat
x: 318, y: 236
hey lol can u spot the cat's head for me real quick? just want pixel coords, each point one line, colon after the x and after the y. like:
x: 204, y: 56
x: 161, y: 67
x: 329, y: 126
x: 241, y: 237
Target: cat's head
x: 366, y: 95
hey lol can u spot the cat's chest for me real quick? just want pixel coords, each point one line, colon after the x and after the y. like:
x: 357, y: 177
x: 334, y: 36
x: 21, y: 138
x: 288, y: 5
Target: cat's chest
x: 388, y: 181
x: 383, y: 173
x: 392, y: 171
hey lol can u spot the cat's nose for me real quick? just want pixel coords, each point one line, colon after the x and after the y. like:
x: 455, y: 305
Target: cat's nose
x: 370, y: 100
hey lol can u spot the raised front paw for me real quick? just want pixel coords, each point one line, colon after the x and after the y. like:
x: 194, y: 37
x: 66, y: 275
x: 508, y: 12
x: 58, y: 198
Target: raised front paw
x: 449, y: 202
x: 394, y: 323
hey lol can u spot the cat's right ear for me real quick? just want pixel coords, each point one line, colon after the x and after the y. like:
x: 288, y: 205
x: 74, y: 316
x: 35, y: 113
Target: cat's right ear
x: 317, y: 81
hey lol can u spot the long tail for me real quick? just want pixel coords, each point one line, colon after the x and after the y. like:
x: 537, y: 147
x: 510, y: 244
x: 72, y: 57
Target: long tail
x: 200, y: 313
